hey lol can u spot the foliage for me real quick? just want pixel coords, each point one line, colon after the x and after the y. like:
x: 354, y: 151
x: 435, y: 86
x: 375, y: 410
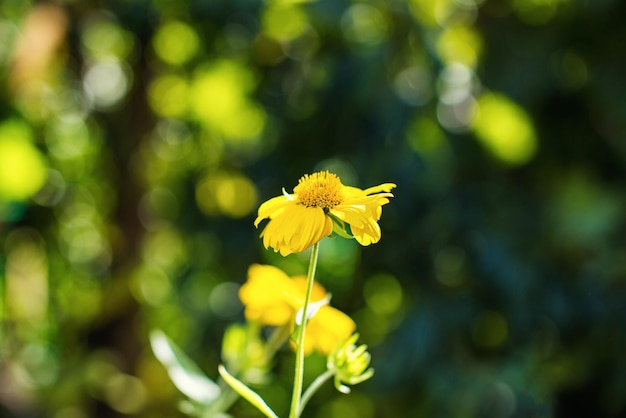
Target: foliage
x: 139, y: 137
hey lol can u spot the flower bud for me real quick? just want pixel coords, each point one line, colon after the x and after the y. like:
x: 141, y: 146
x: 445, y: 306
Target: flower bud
x: 350, y: 364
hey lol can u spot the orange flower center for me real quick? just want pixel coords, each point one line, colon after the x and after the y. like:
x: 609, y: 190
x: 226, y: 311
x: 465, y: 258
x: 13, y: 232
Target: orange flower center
x: 321, y: 190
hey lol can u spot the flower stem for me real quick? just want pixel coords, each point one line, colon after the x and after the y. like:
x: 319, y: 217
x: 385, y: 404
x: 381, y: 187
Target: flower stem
x: 299, y: 370
x: 223, y: 402
x: 310, y: 391
x: 276, y: 340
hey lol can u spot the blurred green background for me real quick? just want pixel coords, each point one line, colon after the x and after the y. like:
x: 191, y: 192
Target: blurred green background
x: 138, y: 137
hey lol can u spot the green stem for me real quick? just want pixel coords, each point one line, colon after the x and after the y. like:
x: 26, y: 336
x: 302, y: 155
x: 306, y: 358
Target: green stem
x: 310, y: 391
x: 223, y: 402
x: 299, y: 372
x: 276, y: 340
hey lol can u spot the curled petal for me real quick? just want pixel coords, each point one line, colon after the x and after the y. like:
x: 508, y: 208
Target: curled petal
x: 385, y: 187
x: 382, y: 189
x: 295, y: 228
x: 361, y: 210
x: 272, y: 208
x: 370, y: 234
x: 363, y: 222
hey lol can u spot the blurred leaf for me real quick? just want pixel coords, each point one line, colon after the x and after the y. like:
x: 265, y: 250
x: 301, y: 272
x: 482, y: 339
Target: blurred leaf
x: 185, y: 374
x: 22, y: 166
x: 505, y: 129
x: 247, y: 393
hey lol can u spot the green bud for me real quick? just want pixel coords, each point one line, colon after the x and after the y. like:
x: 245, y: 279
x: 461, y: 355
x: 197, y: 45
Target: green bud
x: 350, y: 364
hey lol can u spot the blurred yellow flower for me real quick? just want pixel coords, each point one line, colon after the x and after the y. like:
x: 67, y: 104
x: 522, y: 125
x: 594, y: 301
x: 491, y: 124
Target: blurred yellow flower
x: 271, y: 297
x: 320, y: 203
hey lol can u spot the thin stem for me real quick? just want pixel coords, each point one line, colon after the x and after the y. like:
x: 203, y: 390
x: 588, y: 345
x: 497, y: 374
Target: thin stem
x: 276, y: 340
x: 299, y: 371
x: 223, y: 402
x: 310, y: 391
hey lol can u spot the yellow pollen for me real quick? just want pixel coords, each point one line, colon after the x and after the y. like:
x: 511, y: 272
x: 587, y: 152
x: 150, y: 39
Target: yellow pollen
x: 321, y: 189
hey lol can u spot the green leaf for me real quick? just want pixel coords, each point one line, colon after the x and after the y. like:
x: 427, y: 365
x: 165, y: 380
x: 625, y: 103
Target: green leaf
x: 340, y: 228
x: 185, y: 374
x: 295, y: 334
x: 246, y: 393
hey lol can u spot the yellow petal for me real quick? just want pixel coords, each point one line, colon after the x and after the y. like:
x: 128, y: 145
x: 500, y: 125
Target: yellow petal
x: 354, y: 216
x: 272, y: 208
x: 385, y: 187
x: 263, y: 295
x: 370, y: 234
x: 362, y: 223
x: 313, y: 228
x: 328, y: 328
x: 300, y: 283
x: 277, y: 315
x: 265, y: 271
x: 362, y: 212
x: 382, y: 189
x: 295, y: 228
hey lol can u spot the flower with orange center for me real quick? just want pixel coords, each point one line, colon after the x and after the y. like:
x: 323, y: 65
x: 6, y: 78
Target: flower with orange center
x: 273, y: 298
x: 320, y: 203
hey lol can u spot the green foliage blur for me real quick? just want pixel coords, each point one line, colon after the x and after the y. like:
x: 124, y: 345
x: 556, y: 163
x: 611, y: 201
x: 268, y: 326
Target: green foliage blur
x: 138, y: 137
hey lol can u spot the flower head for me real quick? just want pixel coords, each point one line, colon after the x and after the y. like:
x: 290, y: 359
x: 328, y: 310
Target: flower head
x: 273, y: 298
x: 320, y: 203
x: 350, y: 364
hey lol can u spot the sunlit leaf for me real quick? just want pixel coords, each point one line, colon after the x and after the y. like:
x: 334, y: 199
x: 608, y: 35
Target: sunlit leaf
x: 185, y: 374
x: 247, y: 393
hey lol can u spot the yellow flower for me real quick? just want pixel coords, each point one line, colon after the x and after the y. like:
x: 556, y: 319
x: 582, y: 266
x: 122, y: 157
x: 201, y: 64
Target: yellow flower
x: 271, y: 297
x: 326, y: 329
x: 320, y: 203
